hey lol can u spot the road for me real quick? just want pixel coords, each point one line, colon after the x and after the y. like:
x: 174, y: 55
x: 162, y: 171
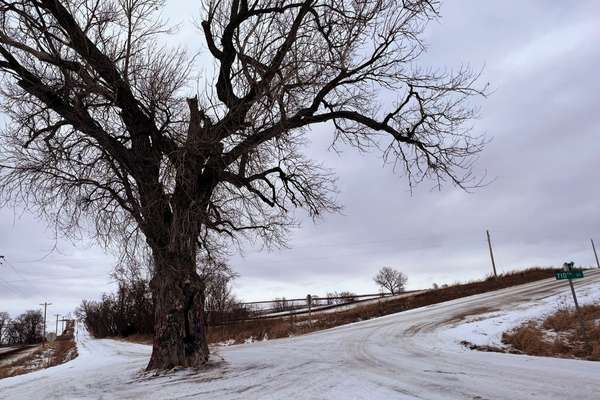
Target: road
x: 402, y: 356
x: 11, y: 354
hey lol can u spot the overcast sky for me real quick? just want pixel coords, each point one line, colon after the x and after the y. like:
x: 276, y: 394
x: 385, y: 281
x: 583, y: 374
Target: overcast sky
x: 542, y: 208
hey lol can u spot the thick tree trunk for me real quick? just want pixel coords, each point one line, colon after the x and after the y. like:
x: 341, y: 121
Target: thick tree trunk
x: 179, y: 324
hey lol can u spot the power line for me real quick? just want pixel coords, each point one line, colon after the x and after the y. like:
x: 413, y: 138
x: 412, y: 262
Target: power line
x: 14, y: 288
x: 3, y: 260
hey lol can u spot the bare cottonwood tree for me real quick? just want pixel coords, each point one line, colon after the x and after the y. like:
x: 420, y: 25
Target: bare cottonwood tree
x: 106, y: 133
x: 391, y: 279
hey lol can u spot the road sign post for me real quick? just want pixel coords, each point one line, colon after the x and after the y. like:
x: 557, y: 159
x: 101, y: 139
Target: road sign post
x: 569, y: 273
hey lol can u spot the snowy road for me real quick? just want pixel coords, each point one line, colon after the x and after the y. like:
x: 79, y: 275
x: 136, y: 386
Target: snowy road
x: 410, y: 355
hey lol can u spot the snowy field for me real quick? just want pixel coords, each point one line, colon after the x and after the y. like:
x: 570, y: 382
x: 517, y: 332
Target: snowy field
x: 411, y: 355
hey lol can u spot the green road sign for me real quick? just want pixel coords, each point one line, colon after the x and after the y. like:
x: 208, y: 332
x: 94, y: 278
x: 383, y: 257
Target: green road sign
x: 568, y: 275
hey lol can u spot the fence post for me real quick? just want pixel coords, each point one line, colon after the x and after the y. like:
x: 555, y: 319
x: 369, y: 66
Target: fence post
x: 309, y: 302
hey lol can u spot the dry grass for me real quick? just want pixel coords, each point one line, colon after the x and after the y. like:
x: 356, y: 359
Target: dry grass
x: 528, y: 338
x: 559, y: 335
x: 63, y: 349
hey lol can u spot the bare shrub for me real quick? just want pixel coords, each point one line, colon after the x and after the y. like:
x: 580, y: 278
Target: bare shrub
x: 219, y: 302
x: 280, y: 304
x: 342, y: 297
x: 330, y: 298
x: 347, y: 297
x: 527, y: 338
x: 126, y: 312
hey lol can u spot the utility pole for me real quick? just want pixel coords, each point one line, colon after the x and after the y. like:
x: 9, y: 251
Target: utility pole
x: 45, y: 304
x: 57, y: 315
x: 595, y: 254
x: 491, y: 252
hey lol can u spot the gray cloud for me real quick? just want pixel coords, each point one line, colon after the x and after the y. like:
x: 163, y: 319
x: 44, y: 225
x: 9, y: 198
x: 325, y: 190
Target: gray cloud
x: 541, y: 206
x: 39, y: 268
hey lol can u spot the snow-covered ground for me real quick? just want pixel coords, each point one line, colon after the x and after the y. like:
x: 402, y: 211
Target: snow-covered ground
x: 411, y: 355
x: 485, y: 329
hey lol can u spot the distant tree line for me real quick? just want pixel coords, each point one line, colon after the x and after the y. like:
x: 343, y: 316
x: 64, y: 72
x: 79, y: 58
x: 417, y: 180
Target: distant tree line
x: 281, y: 304
x: 341, y: 297
x: 27, y: 328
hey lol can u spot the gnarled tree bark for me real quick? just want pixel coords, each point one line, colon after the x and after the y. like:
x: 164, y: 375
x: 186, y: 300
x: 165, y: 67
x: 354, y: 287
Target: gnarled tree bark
x: 179, y: 323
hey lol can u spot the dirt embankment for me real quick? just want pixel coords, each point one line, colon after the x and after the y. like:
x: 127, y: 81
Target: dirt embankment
x: 45, y: 355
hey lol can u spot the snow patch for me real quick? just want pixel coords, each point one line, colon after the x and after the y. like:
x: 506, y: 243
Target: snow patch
x: 487, y: 329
